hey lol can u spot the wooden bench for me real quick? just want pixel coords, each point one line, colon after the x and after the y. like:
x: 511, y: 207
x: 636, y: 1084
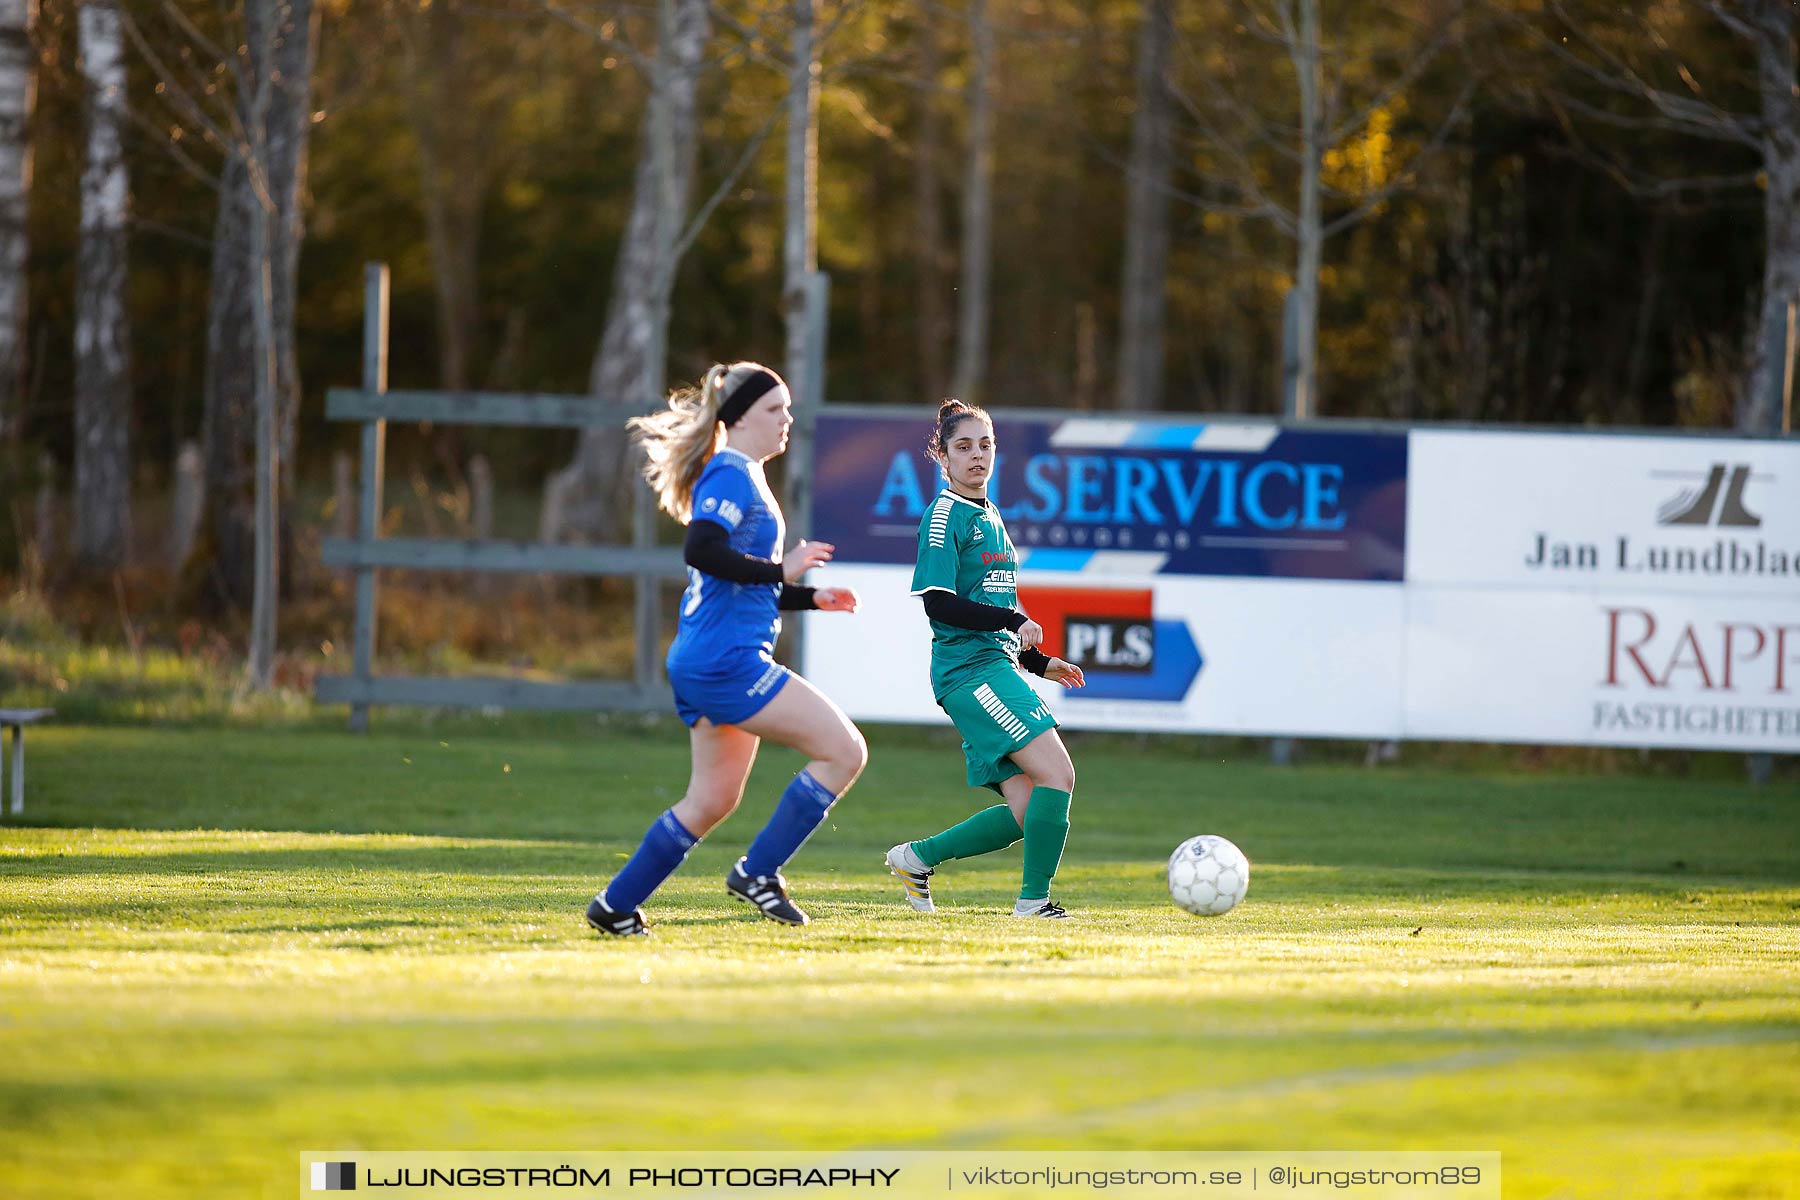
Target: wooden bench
x: 17, y: 719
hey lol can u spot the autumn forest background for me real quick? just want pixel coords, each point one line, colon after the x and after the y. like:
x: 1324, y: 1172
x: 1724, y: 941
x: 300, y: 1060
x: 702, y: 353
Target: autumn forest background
x: 1559, y: 212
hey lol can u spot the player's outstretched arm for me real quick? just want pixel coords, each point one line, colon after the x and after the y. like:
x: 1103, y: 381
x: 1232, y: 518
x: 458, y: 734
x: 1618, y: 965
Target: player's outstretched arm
x: 828, y: 599
x: 946, y: 608
x: 708, y: 549
x: 804, y: 557
x: 1056, y: 670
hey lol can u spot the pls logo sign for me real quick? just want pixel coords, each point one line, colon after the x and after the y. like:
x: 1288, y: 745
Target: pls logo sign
x: 1113, y: 635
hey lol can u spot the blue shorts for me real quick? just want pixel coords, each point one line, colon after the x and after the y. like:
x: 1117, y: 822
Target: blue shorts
x: 730, y: 688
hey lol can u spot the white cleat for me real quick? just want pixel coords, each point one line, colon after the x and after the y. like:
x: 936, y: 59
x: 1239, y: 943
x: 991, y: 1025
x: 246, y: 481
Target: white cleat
x: 1040, y: 908
x: 914, y: 876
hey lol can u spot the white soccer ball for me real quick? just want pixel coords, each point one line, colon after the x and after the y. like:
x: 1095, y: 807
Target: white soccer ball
x: 1208, y: 875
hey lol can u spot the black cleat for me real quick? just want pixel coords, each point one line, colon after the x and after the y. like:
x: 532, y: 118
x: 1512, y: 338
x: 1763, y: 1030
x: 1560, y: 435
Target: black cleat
x: 619, y: 924
x: 767, y: 894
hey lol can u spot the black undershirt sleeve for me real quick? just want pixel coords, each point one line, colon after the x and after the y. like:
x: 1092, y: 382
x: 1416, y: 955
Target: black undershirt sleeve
x: 795, y: 597
x: 948, y: 609
x: 708, y: 549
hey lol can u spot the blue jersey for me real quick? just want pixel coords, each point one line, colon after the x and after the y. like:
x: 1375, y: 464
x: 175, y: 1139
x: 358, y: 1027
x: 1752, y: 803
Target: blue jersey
x: 718, y: 616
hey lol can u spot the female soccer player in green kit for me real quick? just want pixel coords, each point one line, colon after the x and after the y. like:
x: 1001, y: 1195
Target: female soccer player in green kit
x: 979, y: 642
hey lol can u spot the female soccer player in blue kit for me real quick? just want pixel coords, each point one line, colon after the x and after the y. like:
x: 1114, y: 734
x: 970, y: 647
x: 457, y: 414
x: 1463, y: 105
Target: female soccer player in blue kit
x: 965, y: 574
x: 706, y: 453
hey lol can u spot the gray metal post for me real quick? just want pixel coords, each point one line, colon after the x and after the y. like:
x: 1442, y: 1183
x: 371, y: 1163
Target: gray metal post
x: 646, y: 594
x: 798, y: 465
x: 374, y: 447
x: 18, y: 769
x: 1761, y: 767
x: 1294, y: 406
x: 798, y: 461
x: 1787, y: 373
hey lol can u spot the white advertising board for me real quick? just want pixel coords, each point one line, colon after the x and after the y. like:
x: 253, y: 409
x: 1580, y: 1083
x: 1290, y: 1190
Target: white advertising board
x: 1618, y: 669
x: 1233, y: 655
x: 1557, y: 588
x: 1594, y: 590
x: 1578, y: 513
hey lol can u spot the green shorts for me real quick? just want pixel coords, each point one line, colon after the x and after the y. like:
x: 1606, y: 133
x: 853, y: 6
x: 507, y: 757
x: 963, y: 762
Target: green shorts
x: 996, y: 714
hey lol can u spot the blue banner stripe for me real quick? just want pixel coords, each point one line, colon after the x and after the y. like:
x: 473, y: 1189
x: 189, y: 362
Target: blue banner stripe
x: 1164, y: 437
x: 1056, y: 560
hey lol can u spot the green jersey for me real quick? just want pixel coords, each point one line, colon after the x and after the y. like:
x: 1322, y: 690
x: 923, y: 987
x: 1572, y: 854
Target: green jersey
x: 964, y: 550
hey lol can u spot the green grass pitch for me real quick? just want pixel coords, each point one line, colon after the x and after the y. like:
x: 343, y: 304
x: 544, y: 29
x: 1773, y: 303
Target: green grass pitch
x: 219, y: 948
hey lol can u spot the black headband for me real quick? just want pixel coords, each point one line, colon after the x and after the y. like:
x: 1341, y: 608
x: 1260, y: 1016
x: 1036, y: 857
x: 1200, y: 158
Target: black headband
x: 747, y: 393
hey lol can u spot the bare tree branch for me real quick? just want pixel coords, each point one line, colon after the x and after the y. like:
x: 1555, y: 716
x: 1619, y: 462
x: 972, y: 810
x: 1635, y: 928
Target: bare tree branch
x: 1404, y: 177
x: 1665, y: 124
x: 1632, y: 182
x: 1408, y: 75
x: 603, y: 35
x: 154, y: 131
x: 1731, y: 21
x: 1272, y: 134
x: 1244, y: 182
x: 1618, y: 76
x: 1263, y: 209
x: 845, y: 11
x: 744, y: 159
x: 186, y: 105
x: 749, y: 46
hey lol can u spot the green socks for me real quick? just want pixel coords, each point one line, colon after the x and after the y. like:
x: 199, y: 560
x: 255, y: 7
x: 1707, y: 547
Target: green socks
x: 988, y: 830
x: 1046, y: 829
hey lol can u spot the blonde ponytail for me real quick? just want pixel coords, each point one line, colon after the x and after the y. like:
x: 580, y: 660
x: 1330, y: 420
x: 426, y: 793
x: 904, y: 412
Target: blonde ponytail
x: 679, y: 439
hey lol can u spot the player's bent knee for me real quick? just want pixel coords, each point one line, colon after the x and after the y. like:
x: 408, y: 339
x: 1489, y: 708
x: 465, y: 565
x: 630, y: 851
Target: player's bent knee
x: 848, y: 751
x: 714, y: 807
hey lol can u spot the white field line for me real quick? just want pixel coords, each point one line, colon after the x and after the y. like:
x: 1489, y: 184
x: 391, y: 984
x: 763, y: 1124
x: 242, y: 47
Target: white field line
x: 1197, y: 1099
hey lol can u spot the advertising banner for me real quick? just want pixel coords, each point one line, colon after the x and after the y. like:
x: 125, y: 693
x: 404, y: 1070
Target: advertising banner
x: 1168, y: 654
x: 1607, y: 669
x: 1241, y: 578
x: 1093, y: 496
x: 1599, y: 590
x: 1574, y: 512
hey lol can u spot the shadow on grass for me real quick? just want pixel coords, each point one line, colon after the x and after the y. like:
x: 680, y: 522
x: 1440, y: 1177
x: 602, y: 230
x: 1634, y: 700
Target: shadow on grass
x: 533, y: 875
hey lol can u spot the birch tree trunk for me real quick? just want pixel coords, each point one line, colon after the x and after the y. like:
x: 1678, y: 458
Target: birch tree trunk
x: 18, y: 97
x: 456, y: 164
x: 1143, y: 303
x: 1302, y: 391
x: 592, y: 495
x: 228, y: 533
x: 102, y: 329
x: 933, y: 316
x: 1774, y: 22
x: 288, y: 137
x: 266, y: 583
x: 279, y: 36
x: 977, y: 212
x: 800, y: 232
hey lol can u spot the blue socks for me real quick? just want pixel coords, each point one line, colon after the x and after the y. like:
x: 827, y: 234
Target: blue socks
x: 666, y: 844
x: 802, y: 809
x: 665, y: 847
